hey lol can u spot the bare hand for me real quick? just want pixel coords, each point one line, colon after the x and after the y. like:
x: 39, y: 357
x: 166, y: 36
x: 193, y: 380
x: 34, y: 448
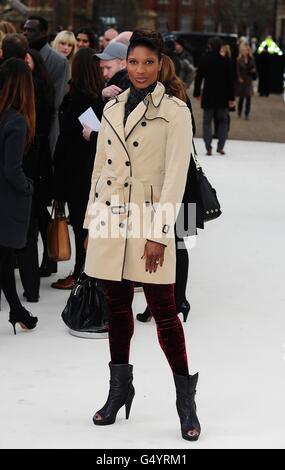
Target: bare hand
x: 87, y: 131
x: 111, y: 91
x: 154, y: 256
x: 232, y: 104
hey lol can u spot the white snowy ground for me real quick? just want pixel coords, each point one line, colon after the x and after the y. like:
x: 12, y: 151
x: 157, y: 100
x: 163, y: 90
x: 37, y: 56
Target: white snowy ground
x: 52, y: 383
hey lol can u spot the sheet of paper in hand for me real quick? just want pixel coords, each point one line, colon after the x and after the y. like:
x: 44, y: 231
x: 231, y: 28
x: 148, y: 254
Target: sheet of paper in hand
x: 90, y: 119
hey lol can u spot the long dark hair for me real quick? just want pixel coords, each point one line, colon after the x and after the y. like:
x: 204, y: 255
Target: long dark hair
x: 17, y: 91
x: 40, y: 72
x: 167, y: 76
x: 86, y: 74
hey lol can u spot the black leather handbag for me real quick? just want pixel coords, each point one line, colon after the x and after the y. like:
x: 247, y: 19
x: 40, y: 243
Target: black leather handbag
x: 86, y: 311
x: 200, y: 192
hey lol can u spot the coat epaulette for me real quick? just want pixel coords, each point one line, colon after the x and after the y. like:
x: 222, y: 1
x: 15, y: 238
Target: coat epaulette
x: 176, y: 100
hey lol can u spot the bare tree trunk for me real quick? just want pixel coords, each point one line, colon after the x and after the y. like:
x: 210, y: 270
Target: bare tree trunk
x: 18, y: 6
x: 63, y: 15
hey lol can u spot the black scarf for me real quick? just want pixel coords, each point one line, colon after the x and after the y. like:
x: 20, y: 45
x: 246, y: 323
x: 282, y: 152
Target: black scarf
x: 135, y: 97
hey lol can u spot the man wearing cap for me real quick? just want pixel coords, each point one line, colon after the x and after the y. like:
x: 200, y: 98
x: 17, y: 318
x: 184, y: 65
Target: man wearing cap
x: 113, y: 64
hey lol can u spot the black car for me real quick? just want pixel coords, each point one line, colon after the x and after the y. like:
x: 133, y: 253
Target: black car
x: 196, y: 43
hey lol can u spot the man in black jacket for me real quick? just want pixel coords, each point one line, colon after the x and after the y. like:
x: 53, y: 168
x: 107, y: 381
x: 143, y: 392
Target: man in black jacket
x: 113, y: 65
x: 218, y: 93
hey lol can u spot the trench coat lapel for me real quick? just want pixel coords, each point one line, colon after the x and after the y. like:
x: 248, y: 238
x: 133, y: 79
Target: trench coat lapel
x: 135, y: 117
x: 114, y: 115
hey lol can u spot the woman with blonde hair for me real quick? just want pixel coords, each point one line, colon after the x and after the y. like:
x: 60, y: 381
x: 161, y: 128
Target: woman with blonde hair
x: 17, y: 131
x: 246, y: 74
x: 65, y: 43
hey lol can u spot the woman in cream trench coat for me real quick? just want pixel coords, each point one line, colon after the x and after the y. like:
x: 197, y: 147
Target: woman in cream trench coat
x: 141, y: 164
x: 144, y: 163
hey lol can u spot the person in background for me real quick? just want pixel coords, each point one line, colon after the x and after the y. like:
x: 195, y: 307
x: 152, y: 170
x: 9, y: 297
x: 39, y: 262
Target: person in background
x: 7, y: 28
x: 86, y: 37
x: 124, y: 38
x: 74, y: 156
x: 109, y: 35
x: 36, y: 31
x: 246, y: 74
x: 17, y: 129
x: 217, y: 95
x: 44, y: 173
x: 142, y: 158
x: 113, y: 66
x: 65, y: 43
x: 37, y: 164
x: 187, y: 69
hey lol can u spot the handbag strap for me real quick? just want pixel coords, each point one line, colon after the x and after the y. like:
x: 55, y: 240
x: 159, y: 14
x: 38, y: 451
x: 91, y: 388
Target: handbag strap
x: 194, y: 155
x: 58, y: 210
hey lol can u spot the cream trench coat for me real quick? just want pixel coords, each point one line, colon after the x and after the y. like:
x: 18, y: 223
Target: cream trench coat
x: 144, y: 163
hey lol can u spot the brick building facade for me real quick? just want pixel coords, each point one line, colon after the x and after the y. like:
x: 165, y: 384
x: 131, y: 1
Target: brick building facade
x: 229, y: 16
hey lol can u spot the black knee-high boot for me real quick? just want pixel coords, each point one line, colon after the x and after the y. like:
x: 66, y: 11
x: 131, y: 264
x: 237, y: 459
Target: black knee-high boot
x: 186, y: 406
x: 121, y: 393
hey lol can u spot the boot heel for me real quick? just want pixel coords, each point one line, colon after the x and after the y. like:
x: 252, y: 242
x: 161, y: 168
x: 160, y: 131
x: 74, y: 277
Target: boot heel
x: 185, y: 314
x: 184, y: 309
x: 128, y: 404
x: 14, y: 327
x: 121, y: 394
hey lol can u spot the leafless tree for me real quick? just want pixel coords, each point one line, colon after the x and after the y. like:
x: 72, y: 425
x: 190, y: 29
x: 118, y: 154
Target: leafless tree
x: 18, y: 6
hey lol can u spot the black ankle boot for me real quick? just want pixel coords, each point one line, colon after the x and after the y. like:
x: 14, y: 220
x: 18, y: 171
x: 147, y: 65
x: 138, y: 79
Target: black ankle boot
x: 22, y: 316
x: 145, y: 316
x: 121, y: 393
x: 186, y: 406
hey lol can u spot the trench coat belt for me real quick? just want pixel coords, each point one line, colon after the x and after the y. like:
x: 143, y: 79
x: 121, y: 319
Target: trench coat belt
x: 142, y: 190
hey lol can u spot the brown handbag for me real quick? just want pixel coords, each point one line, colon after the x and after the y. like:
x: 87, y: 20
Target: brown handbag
x: 59, y: 248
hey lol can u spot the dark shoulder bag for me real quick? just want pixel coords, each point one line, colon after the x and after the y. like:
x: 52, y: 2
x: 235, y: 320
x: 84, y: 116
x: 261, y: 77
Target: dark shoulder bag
x: 86, y: 310
x: 200, y: 192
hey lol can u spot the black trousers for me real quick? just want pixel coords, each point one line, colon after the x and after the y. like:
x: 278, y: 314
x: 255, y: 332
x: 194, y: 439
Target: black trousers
x: 7, y: 278
x: 77, y: 215
x: 28, y: 261
x: 182, y: 268
x: 247, y: 105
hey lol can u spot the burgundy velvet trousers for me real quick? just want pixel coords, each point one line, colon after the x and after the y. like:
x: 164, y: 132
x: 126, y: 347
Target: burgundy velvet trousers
x: 160, y: 299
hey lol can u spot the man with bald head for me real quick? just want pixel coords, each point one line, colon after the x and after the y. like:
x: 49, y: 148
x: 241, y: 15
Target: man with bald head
x: 109, y: 35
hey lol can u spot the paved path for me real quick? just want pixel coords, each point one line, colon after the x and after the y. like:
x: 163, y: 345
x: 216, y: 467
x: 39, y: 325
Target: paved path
x: 52, y: 383
x: 267, y: 121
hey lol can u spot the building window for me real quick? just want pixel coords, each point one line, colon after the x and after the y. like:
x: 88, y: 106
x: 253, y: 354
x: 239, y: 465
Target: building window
x: 162, y: 22
x: 209, y: 25
x: 185, y: 23
x: 186, y: 2
x: 162, y: 2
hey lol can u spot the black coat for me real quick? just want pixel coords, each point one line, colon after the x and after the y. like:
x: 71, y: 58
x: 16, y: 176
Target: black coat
x: 120, y: 79
x: 217, y: 73
x: 15, y: 189
x: 74, y: 156
x: 38, y: 163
